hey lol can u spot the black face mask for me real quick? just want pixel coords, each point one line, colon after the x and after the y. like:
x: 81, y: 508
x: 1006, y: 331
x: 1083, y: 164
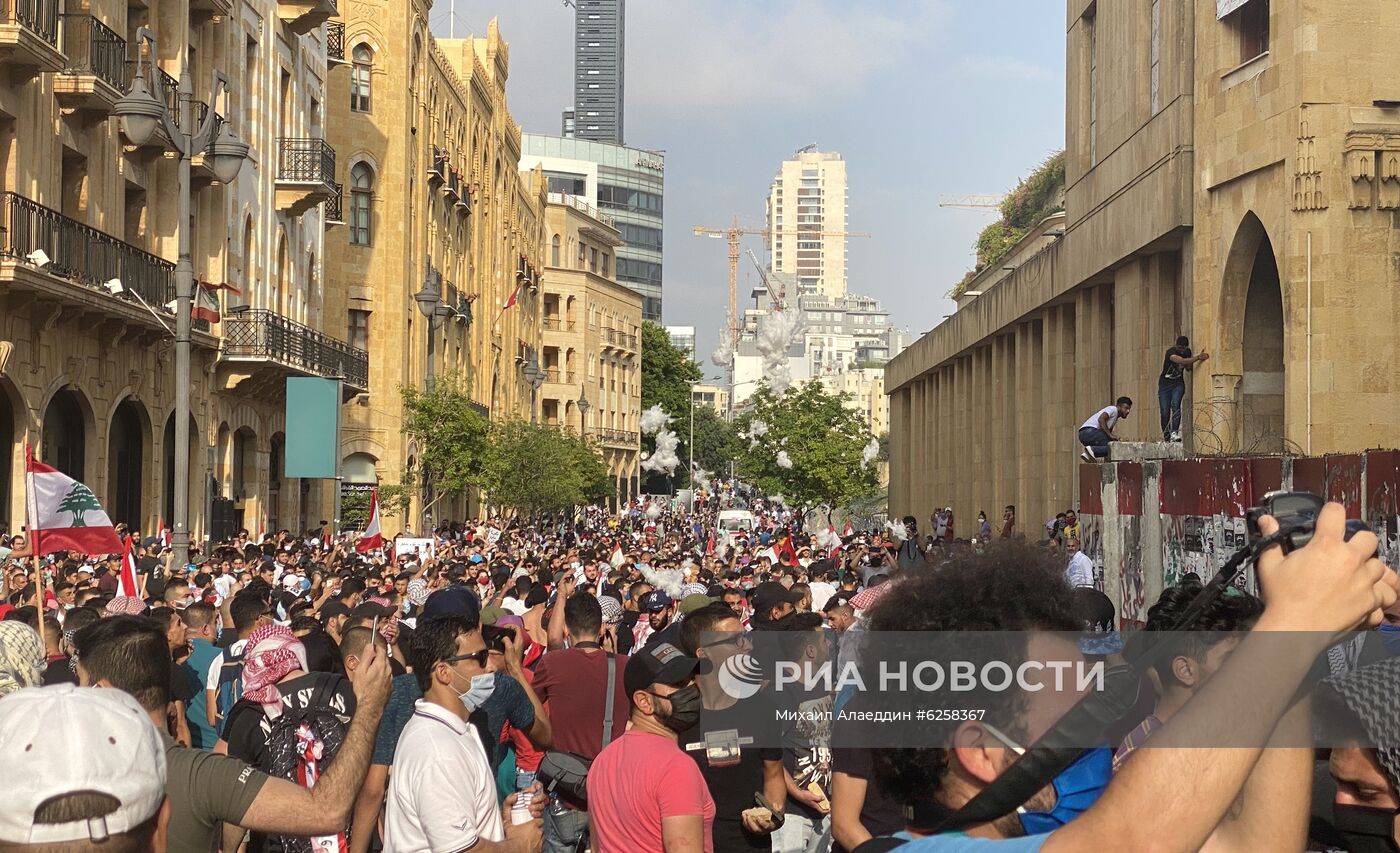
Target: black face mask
x: 1366, y: 830
x: 685, y: 709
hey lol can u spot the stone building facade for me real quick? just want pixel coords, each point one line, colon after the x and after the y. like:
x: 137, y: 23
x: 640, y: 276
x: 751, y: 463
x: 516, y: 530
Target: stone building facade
x: 86, y: 373
x: 591, y: 347
x: 1232, y: 173
x: 434, y: 204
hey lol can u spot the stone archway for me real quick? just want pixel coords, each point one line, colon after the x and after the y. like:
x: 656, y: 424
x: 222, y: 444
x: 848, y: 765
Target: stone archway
x: 1262, y: 381
x: 128, y: 447
x: 65, y: 434
x: 11, y: 436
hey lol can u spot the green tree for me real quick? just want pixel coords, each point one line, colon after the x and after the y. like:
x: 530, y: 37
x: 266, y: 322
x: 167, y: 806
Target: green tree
x: 78, y: 501
x: 533, y: 468
x: 715, y: 441
x: 666, y: 372
x: 823, y: 439
x: 451, y: 433
x: 1038, y: 195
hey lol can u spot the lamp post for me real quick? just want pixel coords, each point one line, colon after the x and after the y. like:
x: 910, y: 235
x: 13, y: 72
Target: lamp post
x: 429, y: 299
x: 141, y: 114
x: 583, y: 407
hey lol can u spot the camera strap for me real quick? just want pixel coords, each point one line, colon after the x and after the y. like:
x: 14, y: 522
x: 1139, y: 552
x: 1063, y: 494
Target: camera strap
x: 1061, y: 746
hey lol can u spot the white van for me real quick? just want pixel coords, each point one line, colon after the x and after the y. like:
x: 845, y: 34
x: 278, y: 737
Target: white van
x: 734, y: 523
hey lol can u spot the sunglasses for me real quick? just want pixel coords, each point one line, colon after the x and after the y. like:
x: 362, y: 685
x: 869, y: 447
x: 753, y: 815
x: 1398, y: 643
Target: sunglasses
x: 734, y: 640
x: 480, y: 656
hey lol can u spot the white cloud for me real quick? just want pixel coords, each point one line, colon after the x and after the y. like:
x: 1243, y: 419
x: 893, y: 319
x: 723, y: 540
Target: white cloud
x: 999, y: 68
x: 704, y: 57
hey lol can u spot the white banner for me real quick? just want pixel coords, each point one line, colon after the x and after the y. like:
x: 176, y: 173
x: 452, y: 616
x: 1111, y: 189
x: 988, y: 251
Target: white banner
x: 1225, y: 7
x: 421, y: 547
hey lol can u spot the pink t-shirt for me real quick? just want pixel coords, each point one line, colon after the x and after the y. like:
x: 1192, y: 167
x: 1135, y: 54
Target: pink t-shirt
x: 636, y: 781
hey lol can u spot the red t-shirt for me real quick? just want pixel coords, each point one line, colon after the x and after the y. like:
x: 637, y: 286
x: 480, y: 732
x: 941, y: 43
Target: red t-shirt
x: 572, y: 684
x: 527, y: 758
x: 634, y: 783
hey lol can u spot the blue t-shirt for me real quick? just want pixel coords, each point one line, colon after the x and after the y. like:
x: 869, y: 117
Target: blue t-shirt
x: 397, y: 711
x: 957, y: 842
x: 196, y: 670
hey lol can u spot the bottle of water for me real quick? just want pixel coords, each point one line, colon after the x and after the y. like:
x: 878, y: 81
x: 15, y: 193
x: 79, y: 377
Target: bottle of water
x: 556, y: 805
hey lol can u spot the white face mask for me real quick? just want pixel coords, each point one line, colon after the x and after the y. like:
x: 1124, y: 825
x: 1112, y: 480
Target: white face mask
x: 481, y: 688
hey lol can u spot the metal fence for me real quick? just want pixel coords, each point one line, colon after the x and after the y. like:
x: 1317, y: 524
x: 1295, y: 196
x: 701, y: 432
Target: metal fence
x: 335, y: 206
x: 81, y: 253
x: 305, y: 160
x: 617, y: 436
x: 91, y: 46
x: 260, y: 333
x: 38, y: 16
x: 335, y: 40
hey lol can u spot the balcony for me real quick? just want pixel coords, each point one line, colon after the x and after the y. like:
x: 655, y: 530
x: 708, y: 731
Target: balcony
x: 305, y: 174
x: 303, y: 16
x: 29, y: 37
x: 211, y: 7
x: 261, y: 348
x: 335, y: 43
x: 81, y: 260
x: 617, y: 438
x: 455, y: 188
x: 94, y: 77
x: 333, y: 213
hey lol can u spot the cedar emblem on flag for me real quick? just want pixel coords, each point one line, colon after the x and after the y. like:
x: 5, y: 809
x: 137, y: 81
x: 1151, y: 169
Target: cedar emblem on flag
x: 64, y: 515
x: 372, y: 538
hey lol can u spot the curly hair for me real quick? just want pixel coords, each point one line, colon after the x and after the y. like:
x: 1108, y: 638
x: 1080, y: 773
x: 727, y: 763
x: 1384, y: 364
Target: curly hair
x: 1233, y: 612
x: 1011, y: 586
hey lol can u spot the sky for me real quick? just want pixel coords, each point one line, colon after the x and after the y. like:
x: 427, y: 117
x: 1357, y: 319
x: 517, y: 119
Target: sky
x: 921, y: 97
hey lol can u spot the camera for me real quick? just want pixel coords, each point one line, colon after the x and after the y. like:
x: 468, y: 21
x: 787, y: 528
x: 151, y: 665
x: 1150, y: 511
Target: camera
x: 1296, y: 514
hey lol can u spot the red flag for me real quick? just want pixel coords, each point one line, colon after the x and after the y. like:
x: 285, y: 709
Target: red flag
x: 514, y: 296
x: 786, y: 552
x: 206, y: 300
x: 126, y: 580
x: 372, y: 538
x: 847, y: 530
x: 64, y: 515
x: 163, y: 534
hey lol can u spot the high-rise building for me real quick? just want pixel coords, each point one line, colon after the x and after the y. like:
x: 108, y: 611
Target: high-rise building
x: 625, y: 183
x: 809, y: 195
x: 682, y: 338
x: 598, y: 65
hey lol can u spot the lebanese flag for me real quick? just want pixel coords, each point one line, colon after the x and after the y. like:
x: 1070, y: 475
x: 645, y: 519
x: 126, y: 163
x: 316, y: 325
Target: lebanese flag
x: 371, y: 538
x: 847, y: 530
x: 786, y: 552
x: 64, y: 515
x: 163, y: 534
x: 206, y: 300
x: 514, y: 296
x: 126, y: 579
x: 617, y: 558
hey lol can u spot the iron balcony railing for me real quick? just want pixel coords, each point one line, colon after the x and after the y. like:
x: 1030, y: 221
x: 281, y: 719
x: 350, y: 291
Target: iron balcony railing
x: 617, y: 436
x: 38, y: 16
x: 93, y: 47
x: 258, y: 333
x: 550, y: 324
x: 305, y: 160
x: 80, y: 253
x: 551, y: 374
x: 335, y: 206
x: 335, y: 40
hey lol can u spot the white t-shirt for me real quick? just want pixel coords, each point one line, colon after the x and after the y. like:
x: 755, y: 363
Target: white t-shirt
x: 442, y: 793
x: 1080, y: 571
x: 1111, y: 411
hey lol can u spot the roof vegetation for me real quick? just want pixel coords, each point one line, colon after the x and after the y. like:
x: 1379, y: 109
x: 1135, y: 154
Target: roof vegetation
x: 1038, y: 195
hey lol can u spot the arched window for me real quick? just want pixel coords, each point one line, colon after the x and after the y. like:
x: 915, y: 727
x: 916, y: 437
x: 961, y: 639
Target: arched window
x: 554, y: 252
x: 359, y: 78
x: 361, y: 198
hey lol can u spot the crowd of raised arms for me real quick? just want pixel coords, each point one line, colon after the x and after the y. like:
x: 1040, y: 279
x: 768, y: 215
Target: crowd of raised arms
x: 567, y: 683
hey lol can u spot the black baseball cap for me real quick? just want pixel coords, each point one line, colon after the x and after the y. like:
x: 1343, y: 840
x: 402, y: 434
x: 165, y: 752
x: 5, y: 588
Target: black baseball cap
x: 661, y: 663
x: 770, y: 594
x: 333, y: 608
x: 655, y: 601
x: 453, y: 600
x: 536, y: 596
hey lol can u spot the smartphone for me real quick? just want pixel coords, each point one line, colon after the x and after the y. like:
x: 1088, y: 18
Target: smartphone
x: 374, y: 629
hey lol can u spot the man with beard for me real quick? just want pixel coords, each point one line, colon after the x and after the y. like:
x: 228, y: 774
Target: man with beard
x: 657, y: 609
x: 736, y: 742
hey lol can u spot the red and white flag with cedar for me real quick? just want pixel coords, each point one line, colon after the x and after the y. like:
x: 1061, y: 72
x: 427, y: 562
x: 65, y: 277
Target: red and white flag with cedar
x: 514, y: 295
x: 126, y: 579
x: 206, y: 300
x: 372, y: 538
x: 163, y: 534
x: 64, y: 515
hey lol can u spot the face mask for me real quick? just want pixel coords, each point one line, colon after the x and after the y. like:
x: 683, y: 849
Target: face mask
x: 218, y: 630
x: 1390, y: 636
x: 481, y: 688
x: 1077, y: 787
x: 1366, y: 830
x: 685, y: 709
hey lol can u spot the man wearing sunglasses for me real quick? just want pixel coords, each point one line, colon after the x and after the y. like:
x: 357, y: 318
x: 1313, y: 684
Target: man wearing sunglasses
x: 442, y: 793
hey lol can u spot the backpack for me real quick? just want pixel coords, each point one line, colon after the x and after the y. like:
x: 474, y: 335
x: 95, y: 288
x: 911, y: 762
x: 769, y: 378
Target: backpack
x: 300, y: 745
x: 230, y: 686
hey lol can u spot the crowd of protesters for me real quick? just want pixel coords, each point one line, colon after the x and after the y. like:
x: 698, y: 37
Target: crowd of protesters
x: 558, y: 684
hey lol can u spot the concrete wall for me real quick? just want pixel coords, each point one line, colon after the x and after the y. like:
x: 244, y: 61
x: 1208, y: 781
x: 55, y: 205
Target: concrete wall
x: 1146, y: 524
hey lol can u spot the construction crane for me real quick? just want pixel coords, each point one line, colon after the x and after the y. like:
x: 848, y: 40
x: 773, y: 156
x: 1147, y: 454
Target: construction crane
x: 972, y: 202
x: 767, y: 285
x: 734, y: 233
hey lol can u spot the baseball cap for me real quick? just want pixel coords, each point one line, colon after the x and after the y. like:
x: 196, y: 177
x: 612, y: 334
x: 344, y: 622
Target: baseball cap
x: 332, y: 608
x: 109, y: 747
x: 491, y: 615
x: 770, y: 594
x: 655, y: 601
x: 536, y: 596
x: 660, y: 663
x: 455, y: 601
x: 693, y: 602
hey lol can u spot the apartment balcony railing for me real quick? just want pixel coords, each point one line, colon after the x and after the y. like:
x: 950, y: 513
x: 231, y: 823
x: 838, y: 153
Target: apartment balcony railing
x: 550, y: 324
x: 29, y: 36
x: 260, y: 335
x: 80, y: 253
x: 334, y: 210
x: 618, y: 437
x: 94, y: 75
x: 305, y: 173
x: 335, y: 41
x: 551, y: 374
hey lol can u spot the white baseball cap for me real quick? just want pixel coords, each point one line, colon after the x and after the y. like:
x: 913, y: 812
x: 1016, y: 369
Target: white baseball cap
x: 65, y: 739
